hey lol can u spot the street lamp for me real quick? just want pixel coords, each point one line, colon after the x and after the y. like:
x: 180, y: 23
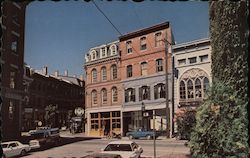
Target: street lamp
x: 142, y: 111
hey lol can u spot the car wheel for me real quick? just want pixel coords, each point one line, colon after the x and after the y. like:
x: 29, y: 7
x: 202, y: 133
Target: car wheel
x: 130, y: 137
x: 148, y: 137
x: 23, y: 152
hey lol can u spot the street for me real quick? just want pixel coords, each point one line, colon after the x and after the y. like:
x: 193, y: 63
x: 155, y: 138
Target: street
x: 79, y: 146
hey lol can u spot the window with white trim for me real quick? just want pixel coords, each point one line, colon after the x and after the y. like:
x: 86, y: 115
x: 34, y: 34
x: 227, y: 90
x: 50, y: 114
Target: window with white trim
x: 94, y: 97
x: 159, y: 91
x: 104, y: 73
x: 144, y: 68
x: 159, y: 65
x: 114, y: 72
x: 129, y: 46
x: 94, y: 75
x: 144, y: 93
x: 114, y: 95
x: 129, y: 71
x: 158, y: 39
x: 130, y: 95
x: 104, y: 96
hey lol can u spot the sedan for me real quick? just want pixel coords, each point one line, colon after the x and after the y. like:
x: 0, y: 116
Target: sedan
x: 127, y: 149
x: 14, y: 148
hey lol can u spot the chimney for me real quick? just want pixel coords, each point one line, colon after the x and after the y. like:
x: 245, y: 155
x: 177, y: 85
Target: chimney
x: 66, y: 73
x: 56, y: 73
x: 45, y: 70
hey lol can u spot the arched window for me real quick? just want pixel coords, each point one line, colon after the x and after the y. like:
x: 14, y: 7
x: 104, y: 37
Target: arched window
x: 94, y: 97
x: 159, y: 91
x: 94, y: 75
x: 93, y: 55
x: 104, y: 73
x: 205, y: 84
x: 190, y: 89
x: 198, y: 93
x: 144, y: 68
x: 130, y: 95
x: 114, y: 72
x: 114, y: 95
x: 104, y: 96
x: 182, y: 90
x: 144, y: 93
x: 113, y: 50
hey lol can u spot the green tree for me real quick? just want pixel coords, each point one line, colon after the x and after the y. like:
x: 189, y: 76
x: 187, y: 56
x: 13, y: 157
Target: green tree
x: 221, y: 122
x: 50, y: 112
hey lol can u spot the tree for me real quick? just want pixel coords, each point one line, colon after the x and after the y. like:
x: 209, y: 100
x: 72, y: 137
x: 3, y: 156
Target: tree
x: 50, y: 112
x: 221, y: 122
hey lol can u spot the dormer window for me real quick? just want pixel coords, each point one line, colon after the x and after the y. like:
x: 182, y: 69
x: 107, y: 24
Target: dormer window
x: 93, y: 55
x: 113, y: 50
x: 103, y: 51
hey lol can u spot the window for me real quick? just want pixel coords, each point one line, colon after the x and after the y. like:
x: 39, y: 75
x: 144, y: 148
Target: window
x: 158, y: 39
x: 129, y: 47
x: 11, y: 110
x: 130, y: 95
x: 94, y: 97
x: 198, y: 88
x: 104, y: 73
x: 113, y: 50
x: 114, y: 94
x: 94, y: 55
x: 14, y: 46
x: 159, y: 91
x: 114, y: 72
x: 204, y: 58
x: 94, y: 121
x: 205, y: 84
x: 116, y: 123
x: 94, y: 76
x: 192, y: 60
x: 129, y: 71
x: 144, y: 93
x: 182, y: 90
x: 190, y: 89
x: 103, y: 52
x: 12, y: 80
x: 159, y: 65
x: 143, y: 43
x: 104, y: 96
x: 144, y: 68
x: 182, y: 62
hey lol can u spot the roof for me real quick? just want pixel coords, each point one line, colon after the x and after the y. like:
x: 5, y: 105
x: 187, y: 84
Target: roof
x: 10, y: 142
x: 190, y: 43
x: 121, y: 142
x: 144, y: 31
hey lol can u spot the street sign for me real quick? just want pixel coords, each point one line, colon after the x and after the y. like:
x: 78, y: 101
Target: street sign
x: 145, y: 114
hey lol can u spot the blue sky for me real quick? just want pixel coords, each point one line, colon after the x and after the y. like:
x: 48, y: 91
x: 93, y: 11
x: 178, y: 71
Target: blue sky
x: 58, y: 34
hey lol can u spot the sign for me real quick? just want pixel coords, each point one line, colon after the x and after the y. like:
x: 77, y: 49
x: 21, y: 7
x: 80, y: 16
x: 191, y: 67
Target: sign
x: 40, y: 123
x: 28, y: 110
x: 79, y: 111
x: 145, y: 114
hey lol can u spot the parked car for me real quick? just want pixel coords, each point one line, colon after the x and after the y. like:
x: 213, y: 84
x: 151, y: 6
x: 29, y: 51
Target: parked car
x: 142, y: 133
x: 103, y: 155
x: 44, y: 137
x: 126, y: 149
x: 14, y: 148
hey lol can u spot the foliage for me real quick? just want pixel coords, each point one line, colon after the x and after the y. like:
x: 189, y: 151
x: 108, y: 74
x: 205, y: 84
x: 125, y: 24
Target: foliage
x: 221, y: 124
x: 185, y: 122
x: 50, y: 112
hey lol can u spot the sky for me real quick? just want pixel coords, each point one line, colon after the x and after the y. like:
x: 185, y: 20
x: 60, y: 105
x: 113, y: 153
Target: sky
x: 58, y: 34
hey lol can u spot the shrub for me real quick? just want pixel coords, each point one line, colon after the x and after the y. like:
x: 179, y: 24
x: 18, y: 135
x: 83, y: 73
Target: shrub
x: 185, y: 122
x: 221, y: 124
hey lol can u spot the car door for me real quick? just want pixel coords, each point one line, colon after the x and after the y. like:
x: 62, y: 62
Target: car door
x: 18, y: 148
x: 12, y: 151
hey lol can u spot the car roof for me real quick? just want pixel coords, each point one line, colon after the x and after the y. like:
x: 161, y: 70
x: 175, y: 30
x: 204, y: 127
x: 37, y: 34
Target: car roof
x: 10, y: 142
x: 122, y: 142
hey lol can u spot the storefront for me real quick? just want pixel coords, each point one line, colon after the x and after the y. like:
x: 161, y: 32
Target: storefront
x: 102, y: 123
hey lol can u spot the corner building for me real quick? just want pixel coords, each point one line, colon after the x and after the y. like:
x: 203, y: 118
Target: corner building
x: 103, y: 97
x: 143, y: 75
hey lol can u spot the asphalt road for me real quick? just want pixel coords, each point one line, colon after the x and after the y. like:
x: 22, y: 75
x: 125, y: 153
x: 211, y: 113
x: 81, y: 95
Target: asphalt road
x: 76, y: 147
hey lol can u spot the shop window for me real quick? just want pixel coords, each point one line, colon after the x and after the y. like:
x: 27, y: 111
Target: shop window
x: 105, y: 115
x: 116, y: 123
x: 94, y: 125
x: 116, y: 114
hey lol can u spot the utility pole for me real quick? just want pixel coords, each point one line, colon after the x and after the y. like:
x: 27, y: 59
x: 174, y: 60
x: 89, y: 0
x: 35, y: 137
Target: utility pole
x: 166, y: 90
x: 154, y: 133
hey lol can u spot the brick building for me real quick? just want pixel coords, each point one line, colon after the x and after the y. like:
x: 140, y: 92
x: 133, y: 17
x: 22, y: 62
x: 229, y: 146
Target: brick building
x: 103, y: 97
x: 12, y: 54
x: 143, y: 72
x: 63, y: 91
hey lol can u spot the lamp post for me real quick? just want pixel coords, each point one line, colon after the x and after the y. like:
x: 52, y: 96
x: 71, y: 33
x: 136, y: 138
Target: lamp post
x: 142, y: 111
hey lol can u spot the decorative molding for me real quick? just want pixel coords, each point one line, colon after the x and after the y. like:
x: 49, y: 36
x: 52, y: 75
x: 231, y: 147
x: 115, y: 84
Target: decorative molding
x: 193, y: 73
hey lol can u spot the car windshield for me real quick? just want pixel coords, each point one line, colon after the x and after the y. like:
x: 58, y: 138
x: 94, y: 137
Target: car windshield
x: 4, y: 145
x: 118, y: 147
